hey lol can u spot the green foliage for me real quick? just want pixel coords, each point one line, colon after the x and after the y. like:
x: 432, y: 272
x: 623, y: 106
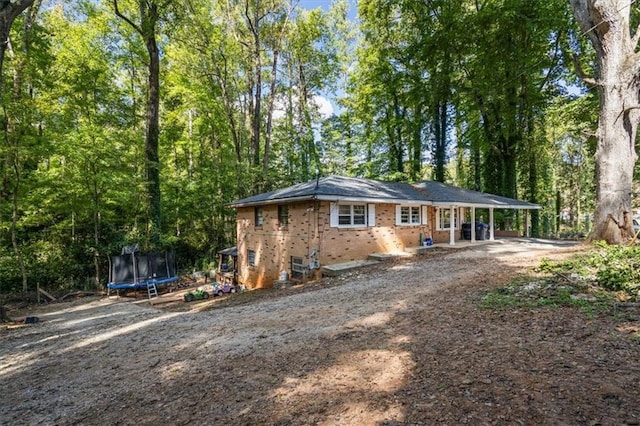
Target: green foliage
x: 617, y: 267
x: 611, y: 267
x: 73, y: 159
x: 239, y: 115
x: 590, y: 281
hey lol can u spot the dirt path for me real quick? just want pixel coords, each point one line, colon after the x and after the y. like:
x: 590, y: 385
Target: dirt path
x: 401, y: 343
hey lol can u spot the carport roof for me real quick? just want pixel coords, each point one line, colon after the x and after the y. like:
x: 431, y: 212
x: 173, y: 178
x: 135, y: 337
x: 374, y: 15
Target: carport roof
x: 442, y: 194
x: 345, y: 189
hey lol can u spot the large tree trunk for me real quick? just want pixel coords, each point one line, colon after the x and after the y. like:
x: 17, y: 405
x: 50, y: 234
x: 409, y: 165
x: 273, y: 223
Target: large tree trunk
x: 9, y: 11
x: 153, y: 135
x: 149, y: 17
x: 606, y: 23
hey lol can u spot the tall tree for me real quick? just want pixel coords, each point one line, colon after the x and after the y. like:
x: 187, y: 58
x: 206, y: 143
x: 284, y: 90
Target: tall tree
x: 9, y: 11
x: 18, y: 155
x: 147, y: 27
x: 607, y: 25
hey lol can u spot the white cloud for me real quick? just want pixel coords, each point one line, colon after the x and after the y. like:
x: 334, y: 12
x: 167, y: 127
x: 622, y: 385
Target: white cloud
x: 324, y: 106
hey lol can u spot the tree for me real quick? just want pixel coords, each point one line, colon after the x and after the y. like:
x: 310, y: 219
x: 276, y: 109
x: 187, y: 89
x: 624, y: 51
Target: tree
x: 9, y: 11
x: 607, y: 25
x: 19, y: 114
x: 147, y: 27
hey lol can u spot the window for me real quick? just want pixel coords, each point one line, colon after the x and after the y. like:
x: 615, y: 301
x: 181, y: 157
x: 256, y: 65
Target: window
x: 297, y: 267
x: 408, y: 215
x: 352, y: 214
x: 251, y: 257
x: 444, y: 218
x: 259, y: 217
x: 283, y: 215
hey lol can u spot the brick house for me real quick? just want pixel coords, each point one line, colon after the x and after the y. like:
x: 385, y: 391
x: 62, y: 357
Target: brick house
x: 339, y: 219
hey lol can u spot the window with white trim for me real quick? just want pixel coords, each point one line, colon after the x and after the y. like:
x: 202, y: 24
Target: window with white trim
x: 409, y: 215
x: 352, y: 214
x: 251, y: 257
x: 444, y: 218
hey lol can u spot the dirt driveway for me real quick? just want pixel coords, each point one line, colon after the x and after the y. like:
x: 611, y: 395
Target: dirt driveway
x: 403, y: 342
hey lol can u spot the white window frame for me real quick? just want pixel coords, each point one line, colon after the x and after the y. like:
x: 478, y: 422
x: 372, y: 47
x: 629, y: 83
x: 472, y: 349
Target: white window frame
x: 251, y: 258
x: 447, y: 210
x: 414, y: 214
x: 338, y: 212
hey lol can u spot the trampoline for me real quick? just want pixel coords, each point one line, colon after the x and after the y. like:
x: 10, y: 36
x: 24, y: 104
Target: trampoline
x: 132, y: 270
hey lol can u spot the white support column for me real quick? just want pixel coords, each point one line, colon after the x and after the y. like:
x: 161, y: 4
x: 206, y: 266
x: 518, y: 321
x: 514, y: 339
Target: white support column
x: 491, y: 224
x: 452, y: 227
x: 473, y: 224
x: 526, y: 224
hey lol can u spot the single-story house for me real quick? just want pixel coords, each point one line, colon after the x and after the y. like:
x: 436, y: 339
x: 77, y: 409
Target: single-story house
x: 339, y: 219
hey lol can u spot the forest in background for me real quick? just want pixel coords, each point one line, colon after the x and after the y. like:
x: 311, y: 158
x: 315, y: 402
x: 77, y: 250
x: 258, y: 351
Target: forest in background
x: 480, y: 94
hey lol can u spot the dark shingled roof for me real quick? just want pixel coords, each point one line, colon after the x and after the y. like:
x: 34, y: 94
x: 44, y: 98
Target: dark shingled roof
x: 441, y: 193
x: 337, y: 188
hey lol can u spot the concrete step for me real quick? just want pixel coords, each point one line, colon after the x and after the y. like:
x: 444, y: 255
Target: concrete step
x: 419, y: 249
x: 342, y: 268
x: 387, y: 256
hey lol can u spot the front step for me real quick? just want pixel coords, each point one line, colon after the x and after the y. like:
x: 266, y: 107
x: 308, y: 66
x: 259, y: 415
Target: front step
x: 418, y: 249
x: 387, y: 256
x: 342, y: 268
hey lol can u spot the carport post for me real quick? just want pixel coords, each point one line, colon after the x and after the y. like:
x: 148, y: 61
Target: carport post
x: 452, y: 226
x: 491, y: 234
x: 473, y: 224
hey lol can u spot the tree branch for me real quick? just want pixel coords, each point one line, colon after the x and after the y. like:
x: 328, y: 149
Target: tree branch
x: 626, y: 110
x: 125, y: 19
x: 585, y: 78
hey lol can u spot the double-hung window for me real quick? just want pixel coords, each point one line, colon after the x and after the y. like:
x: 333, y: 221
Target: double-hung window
x: 352, y: 215
x: 411, y: 215
x: 283, y: 215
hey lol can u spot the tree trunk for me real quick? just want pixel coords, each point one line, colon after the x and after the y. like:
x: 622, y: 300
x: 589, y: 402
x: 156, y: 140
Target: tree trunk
x: 152, y: 136
x: 149, y: 17
x: 9, y: 11
x: 606, y: 23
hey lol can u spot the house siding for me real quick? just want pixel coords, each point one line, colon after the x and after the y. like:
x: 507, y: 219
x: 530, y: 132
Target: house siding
x: 309, y: 231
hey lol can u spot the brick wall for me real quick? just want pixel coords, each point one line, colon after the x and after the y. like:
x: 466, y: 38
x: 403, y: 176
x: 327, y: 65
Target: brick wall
x: 309, y: 231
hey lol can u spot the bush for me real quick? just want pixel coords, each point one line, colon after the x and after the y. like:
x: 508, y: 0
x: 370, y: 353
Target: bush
x: 618, y: 267
x: 611, y: 267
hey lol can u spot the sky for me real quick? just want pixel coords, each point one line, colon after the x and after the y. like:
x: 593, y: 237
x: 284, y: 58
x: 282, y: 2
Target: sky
x: 325, y: 102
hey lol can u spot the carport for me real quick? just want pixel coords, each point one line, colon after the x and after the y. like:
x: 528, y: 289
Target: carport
x: 446, y: 196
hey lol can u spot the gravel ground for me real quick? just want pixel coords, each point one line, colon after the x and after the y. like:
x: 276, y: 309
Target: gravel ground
x: 403, y: 342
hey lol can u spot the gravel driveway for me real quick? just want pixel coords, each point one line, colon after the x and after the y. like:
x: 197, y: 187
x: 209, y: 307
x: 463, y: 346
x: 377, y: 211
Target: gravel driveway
x: 403, y: 342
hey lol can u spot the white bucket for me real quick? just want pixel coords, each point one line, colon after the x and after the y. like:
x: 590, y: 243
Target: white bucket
x: 284, y: 276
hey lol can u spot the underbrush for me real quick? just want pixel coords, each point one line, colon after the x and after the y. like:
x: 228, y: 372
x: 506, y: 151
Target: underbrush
x: 605, y: 276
